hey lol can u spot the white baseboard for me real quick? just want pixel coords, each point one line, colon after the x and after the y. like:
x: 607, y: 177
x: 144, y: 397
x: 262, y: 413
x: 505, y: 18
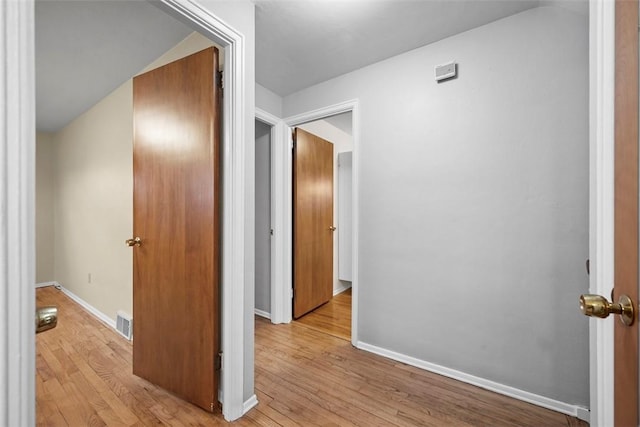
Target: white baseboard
x: 584, y: 414
x: 88, y: 307
x: 506, y: 390
x: 249, y: 404
x: 263, y: 314
x: 45, y: 284
x: 340, y: 289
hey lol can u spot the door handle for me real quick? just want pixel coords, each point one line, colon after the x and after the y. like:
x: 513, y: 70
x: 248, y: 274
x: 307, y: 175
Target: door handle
x: 133, y: 242
x: 598, y: 306
x: 332, y: 228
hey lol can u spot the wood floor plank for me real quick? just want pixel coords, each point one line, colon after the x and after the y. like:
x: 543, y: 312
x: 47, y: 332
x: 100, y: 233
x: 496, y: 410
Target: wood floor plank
x: 305, y: 375
x: 333, y: 318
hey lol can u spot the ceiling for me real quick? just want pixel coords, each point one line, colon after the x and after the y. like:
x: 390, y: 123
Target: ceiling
x: 342, y: 121
x: 86, y: 49
x: 301, y: 43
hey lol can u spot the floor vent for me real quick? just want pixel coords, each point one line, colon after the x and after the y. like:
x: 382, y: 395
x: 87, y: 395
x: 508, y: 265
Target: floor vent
x: 124, y: 324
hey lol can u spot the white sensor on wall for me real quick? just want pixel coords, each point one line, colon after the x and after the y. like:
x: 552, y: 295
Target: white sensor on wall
x: 446, y: 71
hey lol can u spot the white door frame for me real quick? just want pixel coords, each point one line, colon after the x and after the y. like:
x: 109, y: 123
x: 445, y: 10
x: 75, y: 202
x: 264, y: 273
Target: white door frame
x: 282, y: 198
x: 601, y: 189
x: 17, y: 214
x: 17, y: 206
x: 279, y: 293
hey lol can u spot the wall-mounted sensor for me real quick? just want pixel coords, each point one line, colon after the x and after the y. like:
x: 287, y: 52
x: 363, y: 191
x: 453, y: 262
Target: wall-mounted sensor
x: 446, y: 71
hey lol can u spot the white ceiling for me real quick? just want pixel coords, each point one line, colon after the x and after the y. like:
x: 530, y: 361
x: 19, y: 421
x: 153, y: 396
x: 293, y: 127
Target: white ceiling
x: 86, y: 49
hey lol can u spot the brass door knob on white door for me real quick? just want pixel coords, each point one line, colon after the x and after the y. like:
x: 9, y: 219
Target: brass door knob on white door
x: 133, y: 242
x: 598, y: 306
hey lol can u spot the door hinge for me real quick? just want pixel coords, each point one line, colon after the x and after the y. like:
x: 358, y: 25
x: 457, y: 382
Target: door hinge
x: 293, y: 293
x: 217, y: 363
x: 220, y: 79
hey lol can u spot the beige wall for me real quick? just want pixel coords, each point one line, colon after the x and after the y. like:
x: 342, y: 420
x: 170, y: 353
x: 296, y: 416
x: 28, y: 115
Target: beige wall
x: 93, y: 212
x: 44, y: 208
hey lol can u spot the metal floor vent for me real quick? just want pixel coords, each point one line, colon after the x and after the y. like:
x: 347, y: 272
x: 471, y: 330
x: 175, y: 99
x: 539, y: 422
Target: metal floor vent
x: 124, y: 324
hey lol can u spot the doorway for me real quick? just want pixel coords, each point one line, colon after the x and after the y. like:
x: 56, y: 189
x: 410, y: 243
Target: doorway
x: 231, y: 208
x: 333, y: 316
x: 263, y: 228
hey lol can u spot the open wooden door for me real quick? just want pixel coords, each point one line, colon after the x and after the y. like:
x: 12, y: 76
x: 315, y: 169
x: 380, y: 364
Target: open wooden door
x: 626, y: 210
x: 176, y: 268
x: 312, y: 222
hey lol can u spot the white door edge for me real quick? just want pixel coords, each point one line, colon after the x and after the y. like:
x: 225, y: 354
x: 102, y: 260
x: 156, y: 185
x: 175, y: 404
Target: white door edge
x: 601, y: 202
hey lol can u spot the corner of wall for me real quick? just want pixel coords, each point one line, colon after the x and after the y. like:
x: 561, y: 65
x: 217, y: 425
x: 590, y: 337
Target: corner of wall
x: 268, y: 101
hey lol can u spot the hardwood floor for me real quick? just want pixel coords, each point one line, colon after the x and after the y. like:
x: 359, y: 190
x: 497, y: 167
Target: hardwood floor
x: 333, y: 318
x: 303, y: 377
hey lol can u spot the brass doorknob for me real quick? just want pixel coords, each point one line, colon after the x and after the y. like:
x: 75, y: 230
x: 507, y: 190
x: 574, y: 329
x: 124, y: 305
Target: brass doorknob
x: 598, y: 306
x: 332, y: 228
x: 133, y: 242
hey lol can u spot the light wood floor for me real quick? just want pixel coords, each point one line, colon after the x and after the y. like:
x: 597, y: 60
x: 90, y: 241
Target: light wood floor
x: 333, y: 318
x: 303, y: 377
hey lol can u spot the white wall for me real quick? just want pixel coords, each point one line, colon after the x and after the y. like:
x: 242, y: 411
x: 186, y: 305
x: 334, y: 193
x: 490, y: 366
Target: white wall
x: 268, y: 101
x: 345, y: 216
x: 263, y: 217
x: 342, y: 142
x: 473, y: 201
x: 93, y: 204
x: 44, y: 208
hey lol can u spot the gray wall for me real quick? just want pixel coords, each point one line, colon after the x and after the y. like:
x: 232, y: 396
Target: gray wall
x: 473, y: 198
x: 268, y: 101
x: 263, y: 217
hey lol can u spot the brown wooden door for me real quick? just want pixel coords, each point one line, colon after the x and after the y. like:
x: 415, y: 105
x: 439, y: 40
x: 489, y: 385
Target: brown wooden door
x: 626, y: 209
x: 176, y: 268
x: 312, y: 222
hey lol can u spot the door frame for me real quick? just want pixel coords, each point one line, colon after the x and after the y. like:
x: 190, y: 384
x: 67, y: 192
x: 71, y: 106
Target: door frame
x: 283, y: 199
x: 17, y: 213
x: 601, y: 202
x: 278, y: 292
x: 17, y: 205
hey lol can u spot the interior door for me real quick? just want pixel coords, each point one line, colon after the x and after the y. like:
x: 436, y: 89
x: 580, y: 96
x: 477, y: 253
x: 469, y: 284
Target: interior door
x: 626, y: 210
x: 312, y: 222
x: 176, y: 267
